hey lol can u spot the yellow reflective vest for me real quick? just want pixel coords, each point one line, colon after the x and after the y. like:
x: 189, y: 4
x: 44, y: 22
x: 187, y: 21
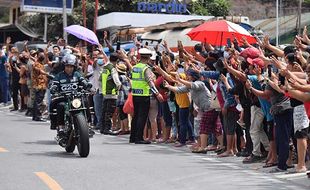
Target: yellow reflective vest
x: 108, y: 86
x: 139, y: 85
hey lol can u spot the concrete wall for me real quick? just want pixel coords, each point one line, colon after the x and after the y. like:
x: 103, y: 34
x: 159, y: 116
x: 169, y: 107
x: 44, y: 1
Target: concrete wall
x: 256, y: 9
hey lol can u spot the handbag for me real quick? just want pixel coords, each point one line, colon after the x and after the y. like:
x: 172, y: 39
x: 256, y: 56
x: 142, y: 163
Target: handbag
x: 214, y: 101
x: 128, y: 106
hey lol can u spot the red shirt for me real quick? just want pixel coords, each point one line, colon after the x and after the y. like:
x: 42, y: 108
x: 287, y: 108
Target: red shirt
x: 307, y: 108
x: 159, y: 84
x: 306, y: 104
x: 220, y: 96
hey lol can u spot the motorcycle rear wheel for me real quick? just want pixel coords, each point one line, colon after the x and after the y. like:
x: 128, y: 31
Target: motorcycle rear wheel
x: 82, y: 135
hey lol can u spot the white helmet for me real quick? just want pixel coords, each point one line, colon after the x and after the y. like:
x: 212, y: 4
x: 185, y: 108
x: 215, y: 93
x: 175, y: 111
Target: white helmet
x: 69, y: 59
x: 145, y: 51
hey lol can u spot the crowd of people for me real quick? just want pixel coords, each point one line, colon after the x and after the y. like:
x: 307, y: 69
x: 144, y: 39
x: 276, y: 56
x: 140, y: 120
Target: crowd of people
x: 249, y: 100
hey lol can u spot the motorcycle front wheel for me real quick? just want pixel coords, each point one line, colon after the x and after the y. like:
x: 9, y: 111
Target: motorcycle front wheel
x: 82, y: 135
x: 71, y: 143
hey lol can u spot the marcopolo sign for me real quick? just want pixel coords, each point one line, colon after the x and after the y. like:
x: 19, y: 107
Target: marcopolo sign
x: 171, y: 8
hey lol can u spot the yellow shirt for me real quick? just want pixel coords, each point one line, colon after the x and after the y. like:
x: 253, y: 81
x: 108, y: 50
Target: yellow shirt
x: 182, y: 99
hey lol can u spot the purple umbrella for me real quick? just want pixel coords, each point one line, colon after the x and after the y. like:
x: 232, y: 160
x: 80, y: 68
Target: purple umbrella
x: 82, y: 33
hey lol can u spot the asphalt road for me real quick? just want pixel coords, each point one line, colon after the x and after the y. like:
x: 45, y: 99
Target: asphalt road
x: 31, y: 160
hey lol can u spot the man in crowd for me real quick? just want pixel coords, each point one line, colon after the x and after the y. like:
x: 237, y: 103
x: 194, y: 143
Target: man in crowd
x: 4, y: 78
x: 39, y: 84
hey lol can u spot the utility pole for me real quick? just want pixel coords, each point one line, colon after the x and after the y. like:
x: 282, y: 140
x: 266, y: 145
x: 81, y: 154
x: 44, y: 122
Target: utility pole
x: 84, y: 16
x: 277, y: 23
x: 299, y: 17
x: 45, y: 28
x: 84, y: 12
x: 64, y: 17
x: 96, y: 15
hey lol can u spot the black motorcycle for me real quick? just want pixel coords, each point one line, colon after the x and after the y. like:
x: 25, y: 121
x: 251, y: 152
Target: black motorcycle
x: 76, y: 131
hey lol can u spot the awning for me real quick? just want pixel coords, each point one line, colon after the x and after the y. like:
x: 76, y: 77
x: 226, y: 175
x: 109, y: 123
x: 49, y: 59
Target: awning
x: 14, y: 27
x: 28, y: 31
x: 118, y: 20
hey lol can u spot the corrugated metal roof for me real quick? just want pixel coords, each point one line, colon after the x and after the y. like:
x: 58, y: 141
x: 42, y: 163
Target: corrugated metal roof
x: 120, y: 19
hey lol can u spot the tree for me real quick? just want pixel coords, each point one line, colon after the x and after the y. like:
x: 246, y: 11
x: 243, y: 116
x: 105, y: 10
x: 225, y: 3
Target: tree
x: 218, y: 7
x: 118, y: 5
x: 198, y: 8
x: 210, y: 7
x: 4, y: 14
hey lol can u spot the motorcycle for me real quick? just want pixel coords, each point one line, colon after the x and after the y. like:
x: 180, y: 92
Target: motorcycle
x: 76, y: 131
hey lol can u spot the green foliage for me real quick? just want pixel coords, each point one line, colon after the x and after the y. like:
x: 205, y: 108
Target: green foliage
x: 210, y: 7
x: 307, y: 3
x: 4, y: 15
x: 118, y: 5
x: 218, y: 7
x: 55, y: 26
x: 198, y: 8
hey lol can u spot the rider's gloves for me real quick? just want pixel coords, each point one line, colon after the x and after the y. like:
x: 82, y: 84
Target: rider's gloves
x: 53, y: 89
x: 88, y: 86
x: 51, y: 77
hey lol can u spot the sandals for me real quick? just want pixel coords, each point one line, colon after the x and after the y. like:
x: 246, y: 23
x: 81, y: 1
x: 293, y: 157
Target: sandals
x: 295, y: 171
x: 276, y: 170
x: 268, y: 165
x: 200, y: 151
x: 171, y: 140
x: 220, y: 151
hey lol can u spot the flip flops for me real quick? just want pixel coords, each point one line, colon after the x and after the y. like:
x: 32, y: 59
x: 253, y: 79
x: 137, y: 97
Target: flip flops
x: 276, y: 170
x: 295, y: 171
x: 268, y: 165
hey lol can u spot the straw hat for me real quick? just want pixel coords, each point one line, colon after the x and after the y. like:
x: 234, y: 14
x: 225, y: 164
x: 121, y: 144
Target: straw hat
x: 121, y: 68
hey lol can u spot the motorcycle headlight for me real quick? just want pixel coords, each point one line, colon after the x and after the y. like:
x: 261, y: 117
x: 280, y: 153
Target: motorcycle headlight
x: 76, y: 103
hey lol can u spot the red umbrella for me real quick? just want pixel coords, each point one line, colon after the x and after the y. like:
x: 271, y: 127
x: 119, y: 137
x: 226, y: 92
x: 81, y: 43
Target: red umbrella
x: 217, y: 32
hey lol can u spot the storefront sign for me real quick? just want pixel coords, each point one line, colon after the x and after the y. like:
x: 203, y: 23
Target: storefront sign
x: 171, y: 8
x: 44, y: 6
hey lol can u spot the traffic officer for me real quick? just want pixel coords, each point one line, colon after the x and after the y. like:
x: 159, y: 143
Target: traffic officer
x: 142, y: 86
x: 110, y: 84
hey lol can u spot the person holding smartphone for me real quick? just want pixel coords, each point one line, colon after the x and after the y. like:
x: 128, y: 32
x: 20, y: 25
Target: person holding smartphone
x: 282, y: 113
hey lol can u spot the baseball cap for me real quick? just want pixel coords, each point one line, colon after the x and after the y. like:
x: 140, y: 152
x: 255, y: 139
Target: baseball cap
x: 257, y: 61
x: 250, y: 52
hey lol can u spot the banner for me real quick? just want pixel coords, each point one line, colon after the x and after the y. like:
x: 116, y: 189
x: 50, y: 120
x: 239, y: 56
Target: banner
x: 46, y: 6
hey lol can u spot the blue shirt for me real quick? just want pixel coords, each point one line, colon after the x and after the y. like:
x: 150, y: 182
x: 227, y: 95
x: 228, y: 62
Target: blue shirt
x: 3, y: 72
x: 228, y: 97
x: 265, y: 105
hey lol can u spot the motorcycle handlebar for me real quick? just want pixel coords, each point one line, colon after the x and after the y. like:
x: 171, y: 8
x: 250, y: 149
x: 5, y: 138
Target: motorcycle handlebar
x: 65, y: 94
